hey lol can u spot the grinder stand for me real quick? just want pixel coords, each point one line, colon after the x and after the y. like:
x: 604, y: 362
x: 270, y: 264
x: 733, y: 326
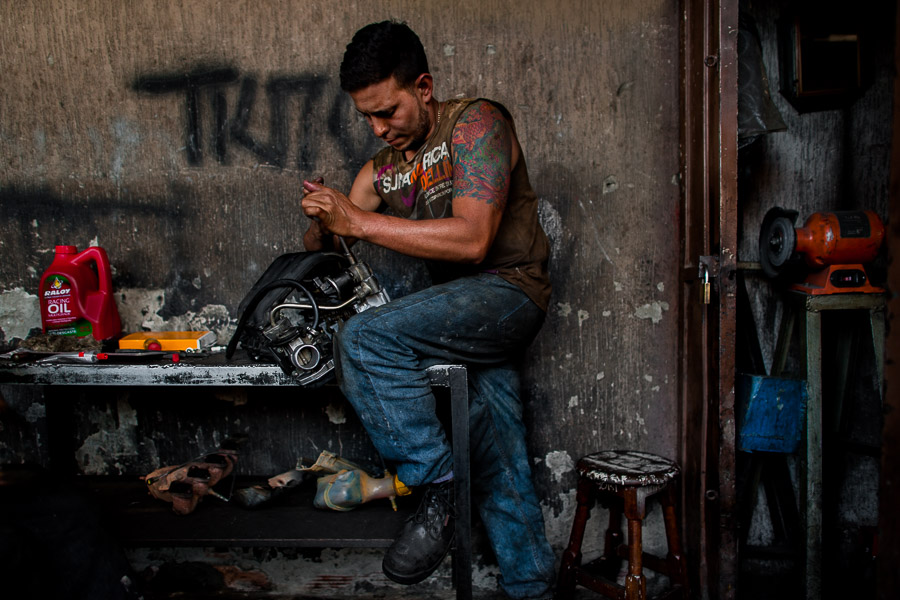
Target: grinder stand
x: 811, y: 307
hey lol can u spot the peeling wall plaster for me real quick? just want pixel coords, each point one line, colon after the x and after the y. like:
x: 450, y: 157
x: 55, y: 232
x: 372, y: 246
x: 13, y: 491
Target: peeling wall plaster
x: 35, y: 413
x: 553, y: 226
x: 140, y: 311
x: 560, y: 463
x: 102, y: 452
x: 336, y: 414
x: 20, y: 312
x: 653, y: 311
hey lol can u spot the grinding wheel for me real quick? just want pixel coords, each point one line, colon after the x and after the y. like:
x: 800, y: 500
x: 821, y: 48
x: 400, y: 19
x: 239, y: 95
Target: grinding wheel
x: 777, y: 240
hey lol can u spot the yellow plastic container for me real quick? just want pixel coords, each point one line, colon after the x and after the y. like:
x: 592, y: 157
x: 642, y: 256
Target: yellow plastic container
x: 169, y: 341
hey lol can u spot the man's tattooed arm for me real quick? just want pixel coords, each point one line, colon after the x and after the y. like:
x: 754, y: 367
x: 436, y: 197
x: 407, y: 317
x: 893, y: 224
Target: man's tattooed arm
x: 482, y: 155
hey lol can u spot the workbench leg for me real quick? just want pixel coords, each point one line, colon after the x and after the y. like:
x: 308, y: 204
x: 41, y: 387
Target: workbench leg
x: 462, y: 475
x: 811, y: 486
x: 876, y: 319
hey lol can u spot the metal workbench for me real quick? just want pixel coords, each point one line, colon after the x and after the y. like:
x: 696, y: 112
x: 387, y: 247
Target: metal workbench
x: 162, y: 370
x: 142, y: 521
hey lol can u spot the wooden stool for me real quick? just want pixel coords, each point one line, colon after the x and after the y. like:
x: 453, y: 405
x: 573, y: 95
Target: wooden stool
x: 623, y: 480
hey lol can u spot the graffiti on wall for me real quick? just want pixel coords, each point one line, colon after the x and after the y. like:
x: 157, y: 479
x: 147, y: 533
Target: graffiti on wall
x: 291, y: 100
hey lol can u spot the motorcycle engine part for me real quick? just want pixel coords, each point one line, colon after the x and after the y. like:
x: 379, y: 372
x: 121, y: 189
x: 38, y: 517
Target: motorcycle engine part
x: 292, y: 312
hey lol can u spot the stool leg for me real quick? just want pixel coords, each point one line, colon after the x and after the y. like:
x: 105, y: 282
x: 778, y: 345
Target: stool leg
x: 612, y: 540
x: 635, y: 582
x: 675, y: 559
x: 571, y: 558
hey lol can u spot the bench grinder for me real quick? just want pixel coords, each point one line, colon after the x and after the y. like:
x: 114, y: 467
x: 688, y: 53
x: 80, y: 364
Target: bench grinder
x: 833, y: 246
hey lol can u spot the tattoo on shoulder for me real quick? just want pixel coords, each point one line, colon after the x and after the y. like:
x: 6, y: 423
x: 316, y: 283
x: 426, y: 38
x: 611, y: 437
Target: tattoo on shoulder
x: 482, y: 150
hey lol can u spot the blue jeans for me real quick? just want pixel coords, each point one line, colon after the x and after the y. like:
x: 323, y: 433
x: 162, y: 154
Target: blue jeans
x: 483, y: 322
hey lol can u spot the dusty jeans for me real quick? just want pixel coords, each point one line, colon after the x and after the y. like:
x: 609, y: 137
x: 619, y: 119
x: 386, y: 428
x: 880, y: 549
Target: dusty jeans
x: 484, y: 323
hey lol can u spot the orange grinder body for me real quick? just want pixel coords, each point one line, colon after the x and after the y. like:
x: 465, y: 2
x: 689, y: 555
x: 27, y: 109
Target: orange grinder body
x: 829, y: 238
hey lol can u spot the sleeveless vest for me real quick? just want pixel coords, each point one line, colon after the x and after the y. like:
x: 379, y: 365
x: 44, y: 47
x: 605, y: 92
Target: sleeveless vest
x: 422, y: 188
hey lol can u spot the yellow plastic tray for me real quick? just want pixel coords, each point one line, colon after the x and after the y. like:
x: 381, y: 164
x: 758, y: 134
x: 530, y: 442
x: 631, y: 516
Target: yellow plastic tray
x: 169, y: 341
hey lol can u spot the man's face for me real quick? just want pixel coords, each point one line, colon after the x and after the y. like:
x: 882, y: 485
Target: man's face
x: 396, y: 114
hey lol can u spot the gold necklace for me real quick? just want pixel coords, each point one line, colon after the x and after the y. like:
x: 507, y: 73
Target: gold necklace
x: 439, y: 116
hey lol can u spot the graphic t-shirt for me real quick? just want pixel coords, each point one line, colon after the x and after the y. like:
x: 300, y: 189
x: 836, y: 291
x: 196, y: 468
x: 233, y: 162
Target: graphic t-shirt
x: 422, y: 188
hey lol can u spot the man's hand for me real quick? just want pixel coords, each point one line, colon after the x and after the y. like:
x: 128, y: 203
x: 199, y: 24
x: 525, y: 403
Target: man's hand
x: 317, y: 238
x: 333, y: 214
x: 331, y: 210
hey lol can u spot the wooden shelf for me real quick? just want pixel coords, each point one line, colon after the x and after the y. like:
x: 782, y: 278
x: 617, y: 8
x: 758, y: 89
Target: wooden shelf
x: 290, y: 520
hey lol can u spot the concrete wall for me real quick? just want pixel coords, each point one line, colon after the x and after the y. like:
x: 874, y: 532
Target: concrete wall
x: 175, y: 134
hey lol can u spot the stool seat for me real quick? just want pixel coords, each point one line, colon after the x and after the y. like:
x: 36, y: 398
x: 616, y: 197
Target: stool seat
x: 623, y: 481
x: 627, y: 468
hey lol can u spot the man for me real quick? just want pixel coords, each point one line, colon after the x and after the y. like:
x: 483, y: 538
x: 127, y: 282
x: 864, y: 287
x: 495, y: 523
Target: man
x: 455, y: 179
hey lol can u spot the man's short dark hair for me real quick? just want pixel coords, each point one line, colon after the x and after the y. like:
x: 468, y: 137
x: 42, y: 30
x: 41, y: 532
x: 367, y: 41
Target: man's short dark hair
x: 380, y: 50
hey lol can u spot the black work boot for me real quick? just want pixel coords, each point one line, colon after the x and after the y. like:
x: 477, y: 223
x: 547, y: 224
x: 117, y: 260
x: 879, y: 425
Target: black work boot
x: 425, y: 538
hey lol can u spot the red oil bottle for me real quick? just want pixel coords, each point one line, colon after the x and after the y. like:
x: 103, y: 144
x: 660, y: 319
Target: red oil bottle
x: 76, y: 295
